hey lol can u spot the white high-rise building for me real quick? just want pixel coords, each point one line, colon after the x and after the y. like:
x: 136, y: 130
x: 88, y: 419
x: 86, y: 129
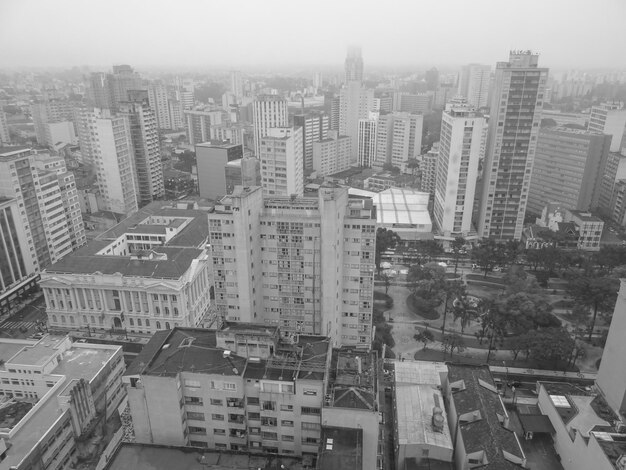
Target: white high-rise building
x: 474, y: 83
x: 514, y: 120
x: 176, y: 114
x: 236, y: 84
x: 304, y: 264
x: 106, y: 145
x: 355, y: 103
x: 199, y: 123
x: 367, y: 140
x: 331, y: 155
x: 314, y: 128
x: 281, y: 162
x: 399, y: 138
x: 610, y: 118
x: 268, y: 111
x: 457, y: 170
x: 158, y: 97
x: 5, y: 137
x: 354, y: 65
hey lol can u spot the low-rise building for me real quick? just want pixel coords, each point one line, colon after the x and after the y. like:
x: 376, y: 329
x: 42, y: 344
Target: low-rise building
x: 405, y: 212
x: 55, y: 392
x: 149, y: 272
x: 387, y: 180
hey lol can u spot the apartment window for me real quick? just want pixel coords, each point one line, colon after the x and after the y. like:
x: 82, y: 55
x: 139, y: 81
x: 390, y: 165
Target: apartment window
x: 217, y: 417
x: 197, y: 430
x: 269, y: 406
x: 287, y: 423
x: 286, y: 407
x: 307, y: 410
x: 269, y: 435
x: 195, y: 415
x: 216, y: 402
x: 253, y: 400
x: 268, y: 421
x: 230, y: 386
x: 310, y: 426
x: 219, y: 432
x: 287, y: 438
x: 254, y: 416
x: 198, y: 444
x: 255, y: 431
x: 193, y: 401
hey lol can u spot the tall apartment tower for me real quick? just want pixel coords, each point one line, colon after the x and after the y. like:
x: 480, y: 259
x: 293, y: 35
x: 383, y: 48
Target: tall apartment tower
x: 211, y: 160
x: 198, y: 124
x: 514, y: 120
x: 474, y: 83
x: 367, y: 140
x: 428, y: 166
x: 610, y: 118
x: 5, y: 137
x: 399, y: 138
x: 106, y: 144
x: 568, y: 169
x: 315, y: 127
x: 268, y: 111
x: 121, y: 81
x: 355, y: 103
x: 354, y: 65
x: 158, y: 99
x: 304, y: 264
x: 282, y: 173
x: 99, y: 91
x: 335, y: 106
x: 146, y: 147
x: 331, y: 155
x: 457, y: 170
x: 50, y: 111
x: 46, y: 193
x: 236, y: 84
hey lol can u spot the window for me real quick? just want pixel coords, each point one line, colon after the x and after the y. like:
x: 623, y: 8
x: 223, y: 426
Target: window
x: 192, y: 383
x: 230, y: 386
x: 269, y: 435
x: 269, y: 406
x: 193, y: 401
x: 268, y: 421
x: 253, y: 400
x: 307, y: 410
x: 195, y: 415
x: 255, y: 431
x: 286, y: 407
x: 197, y: 430
x: 216, y: 402
x: 217, y: 417
x: 287, y: 423
x: 131, y: 322
x: 254, y: 416
x: 286, y: 438
x: 167, y: 325
x: 198, y: 444
x: 310, y: 392
x: 310, y: 426
x: 219, y: 432
x: 158, y: 325
x: 139, y: 322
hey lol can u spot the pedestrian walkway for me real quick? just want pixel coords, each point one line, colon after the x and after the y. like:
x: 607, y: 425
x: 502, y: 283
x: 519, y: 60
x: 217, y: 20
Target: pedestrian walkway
x: 542, y: 372
x: 16, y: 325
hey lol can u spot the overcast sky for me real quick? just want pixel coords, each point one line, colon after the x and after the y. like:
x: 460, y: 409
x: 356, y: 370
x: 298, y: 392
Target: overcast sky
x: 236, y: 33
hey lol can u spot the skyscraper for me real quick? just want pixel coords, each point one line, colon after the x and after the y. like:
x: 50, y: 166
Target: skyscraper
x: 331, y: 155
x: 281, y: 162
x: 50, y: 111
x: 610, y: 118
x: 474, y: 83
x: 355, y: 103
x: 236, y: 84
x: 514, y: 120
x: 354, y: 65
x: 568, y: 169
x: 158, y: 97
x: 5, y: 137
x: 367, y: 140
x: 269, y: 111
x: 399, y: 138
x: 314, y: 128
x: 211, y: 160
x: 457, y: 170
x: 198, y: 124
x: 146, y: 147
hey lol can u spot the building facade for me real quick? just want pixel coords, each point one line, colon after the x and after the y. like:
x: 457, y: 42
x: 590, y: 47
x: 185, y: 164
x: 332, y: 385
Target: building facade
x: 331, y: 155
x: 268, y: 111
x: 355, y: 103
x: 159, y: 101
x: 281, y: 159
x: 610, y: 118
x: 474, y: 83
x: 5, y: 136
x: 367, y: 140
x: 211, y: 160
x: 314, y: 128
x: 353, y: 65
x: 513, y: 131
x: 304, y: 264
x: 199, y: 123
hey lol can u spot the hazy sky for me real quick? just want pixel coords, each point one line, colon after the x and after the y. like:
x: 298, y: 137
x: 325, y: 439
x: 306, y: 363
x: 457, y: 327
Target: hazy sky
x: 236, y: 33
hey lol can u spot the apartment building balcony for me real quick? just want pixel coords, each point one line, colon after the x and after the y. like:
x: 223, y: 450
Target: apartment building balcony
x: 236, y: 419
x: 235, y: 403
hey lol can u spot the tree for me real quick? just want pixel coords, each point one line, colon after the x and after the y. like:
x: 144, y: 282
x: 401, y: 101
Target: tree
x: 457, y: 245
x: 596, y: 293
x: 550, y: 258
x: 549, y: 345
x: 451, y: 289
x: 511, y: 251
x: 385, y: 240
x: 413, y: 165
x: 520, y: 344
x: 464, y: 310
x: 488, y: 255
x: 579, y: 352
x: 492, y: 326
x: 429, y: 248
x: 579, y: 318
x: 425, y: 336
x: 387, y: 280
x: 452, y: 341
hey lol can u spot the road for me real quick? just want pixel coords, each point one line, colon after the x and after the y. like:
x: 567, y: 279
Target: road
x: 24, y: 322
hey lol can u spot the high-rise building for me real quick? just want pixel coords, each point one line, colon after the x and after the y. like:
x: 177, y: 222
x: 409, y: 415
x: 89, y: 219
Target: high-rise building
x: 304, y: 264
x: 158, y: 98
x: 355, y: 103
x: 335, y: 106
x: 457, y: 170
x: 317, y: 81
x: 614, y: 171
x: 60, y: 133
x: 107, y: 147
x: 199, y: 123
x: 331, y: 155
x: 269, y: 111
x: 17, y: 272
x: 146, y: 147
x: 568, y: 169
x: 244, y: 172
x: 354, y: 65
x: 474, y: 83
x: 399, y: 138
x: 315, y: 127
x: 367, y: 140
x: 428, y: 167
x: 46, y: 193
x: 99, y: 91
x: 5, y: 136
x: 176, y: 114
x: 236, y: 84
x: 281, y: 162
x: 121, y: 81
x: 414, y: 103
x: 513, y: 130
x: 211, y: 160
x: 50, y: 111
x: 610, y: 118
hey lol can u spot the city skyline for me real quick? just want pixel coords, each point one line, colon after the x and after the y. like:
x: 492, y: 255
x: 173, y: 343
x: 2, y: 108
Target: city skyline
x: 455, y: 33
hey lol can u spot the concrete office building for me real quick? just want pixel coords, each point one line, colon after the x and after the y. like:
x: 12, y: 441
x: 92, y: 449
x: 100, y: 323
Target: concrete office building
x: 335, y: 107
x: 305, y: 264
x: 211, y: 160
x: 159, y: 101
x: 236, y: 84
x: 5, y: 137
x: 414, y: 103
x: 428, y: 166
x: 261, y: 394
x: 331, y: 155
x: 281, y: 162
x: 457, y: 170
x: 268, y: 111
x: 513, y: 131
x: 150, y: 272
x: 67, y: 389
x: 244, y: 172
x: 568, y: 169
x: 367, y: 140
x: 48, y: 201
x: 315, y: 127
x: 121, y: 81
x: 474, y: 81
x: 107, y: 147
x: 610, y: 118
x: 353, y: 65
x: 146, y: 147
x: 355, y: 103
x: 176, y: 114
x: 399, y: 138
x: 17, y: 268
x: 198, y: 124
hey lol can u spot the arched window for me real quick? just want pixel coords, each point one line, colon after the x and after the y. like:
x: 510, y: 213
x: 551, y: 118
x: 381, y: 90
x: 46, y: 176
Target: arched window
x: 93, y: 320
x: 157, y: 310
x: 132, y: 322
x: 167, y: 311
x: 167, y: 325
x: 63, y: 319
x: 158, y: 325
x: 72, y: 320
x: 54, y: 318
x: 139, y: 322
x: 175, y: 311
x: 147, y: 323
x: 84, y: 318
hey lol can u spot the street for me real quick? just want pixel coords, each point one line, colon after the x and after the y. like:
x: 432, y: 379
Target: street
x: 25, y: 321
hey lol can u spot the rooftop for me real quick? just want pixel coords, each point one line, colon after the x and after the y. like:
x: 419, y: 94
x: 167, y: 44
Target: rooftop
x: 342, y: 449
x: 487, y: 433
x: 352, y: 379
x: 153, y: 457
x: 402, y: 207
x: 10, y: 151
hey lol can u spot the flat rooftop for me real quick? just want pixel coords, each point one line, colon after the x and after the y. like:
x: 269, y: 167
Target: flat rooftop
x: 9, y: 348
x: 152, y: 457
x: 352, y: 379
x: 402, y: 207
x: 342, y: 449
x: 486, y: 434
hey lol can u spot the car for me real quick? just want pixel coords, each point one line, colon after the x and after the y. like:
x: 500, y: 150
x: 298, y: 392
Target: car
x: 36, y: 336
x: 497, y: 269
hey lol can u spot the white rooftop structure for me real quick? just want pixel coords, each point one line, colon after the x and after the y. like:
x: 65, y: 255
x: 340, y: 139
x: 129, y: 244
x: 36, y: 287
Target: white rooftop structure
x: 404, y: 211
